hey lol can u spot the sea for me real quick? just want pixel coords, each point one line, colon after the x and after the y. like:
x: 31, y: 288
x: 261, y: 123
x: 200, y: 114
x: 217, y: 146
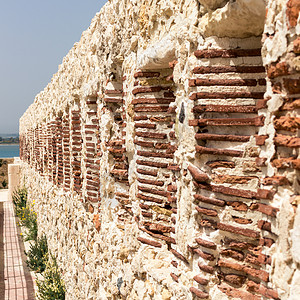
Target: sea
x: 7, y: 151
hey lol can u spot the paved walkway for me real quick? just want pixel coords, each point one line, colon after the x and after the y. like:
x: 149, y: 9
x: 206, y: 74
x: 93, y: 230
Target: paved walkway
x: 15, y: 279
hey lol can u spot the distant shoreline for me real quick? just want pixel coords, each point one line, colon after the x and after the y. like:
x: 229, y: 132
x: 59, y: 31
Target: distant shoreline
x: 12, y: 144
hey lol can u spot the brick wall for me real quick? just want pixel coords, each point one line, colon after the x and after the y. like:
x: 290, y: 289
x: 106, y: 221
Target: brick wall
x: 176, y: 179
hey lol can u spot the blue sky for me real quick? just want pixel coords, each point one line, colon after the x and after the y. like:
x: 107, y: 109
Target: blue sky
x: 35, y: 36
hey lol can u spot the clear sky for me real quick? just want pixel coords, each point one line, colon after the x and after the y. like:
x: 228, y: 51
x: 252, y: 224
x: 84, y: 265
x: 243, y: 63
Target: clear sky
x: 35, y: 36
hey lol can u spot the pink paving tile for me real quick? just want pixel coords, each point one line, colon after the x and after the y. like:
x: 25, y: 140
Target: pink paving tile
x: 15, y: 279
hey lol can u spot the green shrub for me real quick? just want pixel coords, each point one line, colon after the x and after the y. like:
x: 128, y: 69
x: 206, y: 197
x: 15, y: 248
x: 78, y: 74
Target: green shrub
x: 28, y: 219
x: 4, y: 183
x: 52, y: 287
x: 37, y: 256
x: 19, y: 199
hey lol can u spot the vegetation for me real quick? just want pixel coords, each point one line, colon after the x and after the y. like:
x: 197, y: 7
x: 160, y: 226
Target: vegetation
x: 39, y: 259
x: 9, y: 140
x: 37, y: 256
x: 4, y: 172
x: 52, y: 287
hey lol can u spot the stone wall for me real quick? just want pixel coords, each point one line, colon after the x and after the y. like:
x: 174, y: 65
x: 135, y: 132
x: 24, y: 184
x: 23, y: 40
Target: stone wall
x: 163, y: 155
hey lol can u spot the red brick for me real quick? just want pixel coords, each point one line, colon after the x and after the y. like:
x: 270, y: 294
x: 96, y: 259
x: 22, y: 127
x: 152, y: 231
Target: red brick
x: 146, y: 74
x: 229, y: 69
x: 200, y: 294
x: 175, y: 277
x: 237, y: 280
x: 260, y: 289
x: 153, y: 191
x: 154, y: 154
x: 237, y: 230
x: 220, y: 164
x: 293, y: 8
x: 226, y: 53
x: 214, y: 151
x: 206, y: 211
x: 174, y: 263
x: 233, y: 192
x: 260, y: 139
x: 264, y: 225
x: 153, y: 135
x: 225, y: 108
x: 96, y: 221
x: 207, y: 223
x: 225, y: 95
x: 149, y: 242
x: 261, y: 274
x: 197, y: 174
x: 241, y: 220
x: 287, y: 141
x: 233, y: 293
x: 148, y: 198
x: 200, y: 280
x: 152, y: 100
x: 266, y: 242
x: 151, y: 109
x: 206, y: 268
x: 277, y: 69
x: 210, y: 200
x: 287, y: 123
x: 233, y: 253
x: 151, y: 163
x: 147, y: 172
x: 179, y: 256
x: 264, y: 194
x: 204, y: 255
x: 148, y: 181
x: 239, y: 206
x: 145, y: 125
x: 232, y: 179
x: 265, y: 209
x: 292, y: 85
x: 206, y: 244
x: 222, y: 82
x: 222, y: 137
x: 296, y: 44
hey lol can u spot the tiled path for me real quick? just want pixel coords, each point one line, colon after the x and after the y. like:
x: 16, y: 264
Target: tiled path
x: 15, y: 278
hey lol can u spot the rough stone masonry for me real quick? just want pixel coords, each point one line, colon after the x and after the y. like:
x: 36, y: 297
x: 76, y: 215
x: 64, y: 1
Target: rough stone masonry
x: 163, y: 156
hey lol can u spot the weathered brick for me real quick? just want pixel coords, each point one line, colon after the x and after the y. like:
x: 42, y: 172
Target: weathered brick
x: 236, y: 293
x: 226, y: 53
x: 214, y: 151
x: 179, y: 256
x: 222, y: 137
x: 149, y: 242
x: 220, y: 164
x: 265, y: 209
x: 229, y: 69
x: 226, y: 95
x: 152, y: 135
x: 258, y: 288
x: 206, y: 244
x: 175, y: 277
x: 277, y: 69
x: 200, y: 280
x: 293, y: 8
x: 206, y: 211
x: 200, y: 294
x: 152, y: 100
x: 149, y: 198
x: 146, y: 74
x: 287, y: 123
x: 234, y: 279
x: 222, y: 82
x: 233, y: 253
x: 210, y: 200
x: 237, y: 230
x: 225, y: 108
x: 197, y: 174
x: 264, y: 225
x: 206, y: 268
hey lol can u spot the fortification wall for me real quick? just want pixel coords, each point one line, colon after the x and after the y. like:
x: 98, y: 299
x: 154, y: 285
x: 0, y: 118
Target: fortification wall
x: 163, y: 156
